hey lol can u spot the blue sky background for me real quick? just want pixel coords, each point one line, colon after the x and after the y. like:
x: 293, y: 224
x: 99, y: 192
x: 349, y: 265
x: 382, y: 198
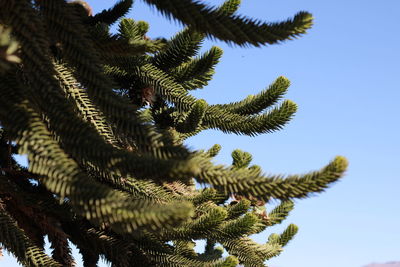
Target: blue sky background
x: 344, y: 76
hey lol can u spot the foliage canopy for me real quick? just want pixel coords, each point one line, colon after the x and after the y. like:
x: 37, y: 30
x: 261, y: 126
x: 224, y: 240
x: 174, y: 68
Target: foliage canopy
x: 103, y: 116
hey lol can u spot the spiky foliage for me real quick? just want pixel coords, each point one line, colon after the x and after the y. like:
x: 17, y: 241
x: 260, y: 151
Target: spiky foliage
x: 102, y: 118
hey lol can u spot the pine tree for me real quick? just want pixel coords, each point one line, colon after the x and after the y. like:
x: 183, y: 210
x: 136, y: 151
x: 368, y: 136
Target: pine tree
x: 103, y: 118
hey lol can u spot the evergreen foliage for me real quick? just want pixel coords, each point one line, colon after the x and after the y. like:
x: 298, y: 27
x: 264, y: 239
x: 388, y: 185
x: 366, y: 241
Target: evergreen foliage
x: 102, y: 118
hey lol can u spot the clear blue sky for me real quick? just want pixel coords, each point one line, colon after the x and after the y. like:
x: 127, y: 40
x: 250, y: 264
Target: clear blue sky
x: 344, y: 76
